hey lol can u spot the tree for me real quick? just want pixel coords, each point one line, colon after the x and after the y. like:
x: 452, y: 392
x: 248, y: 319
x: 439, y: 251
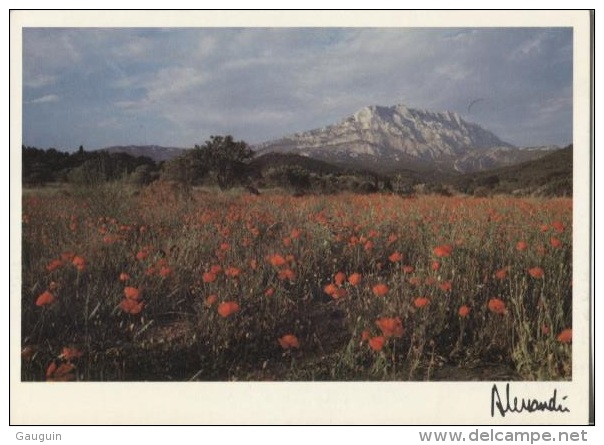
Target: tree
x: 226, y: 158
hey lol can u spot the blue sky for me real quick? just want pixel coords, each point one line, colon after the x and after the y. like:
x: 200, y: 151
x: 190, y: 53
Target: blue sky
x: 99, y: 87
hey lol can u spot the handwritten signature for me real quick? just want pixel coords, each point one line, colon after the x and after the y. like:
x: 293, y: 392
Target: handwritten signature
x: 517, y: 405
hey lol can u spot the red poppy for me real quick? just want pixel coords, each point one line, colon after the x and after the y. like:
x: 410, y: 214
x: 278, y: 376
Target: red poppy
x: 435, y: 266
x: 142, y: 255
x: 211, y: 299
x: 408, y: 269
x: 566, y: 336
x: 289, y: 341
x: 132, y: 293
x: 79, y: 263
x: 420, y: 302
x: 521, y: 246
x: 165, y: 272
x: 339, y: 278
x: 124, y: 277
x: 377, y: 343
x: 215, y: 269
x: 501, y: 274
x: 395, y: 257
x: 45, y: 298
x: 446, y: 286
x: 61, y: 373
x: 330, y: 289
x: 269, y: 292
x: 558, y: 226
x: 497, y: 306
x: 208, y: 277
x: 277, y: 260
x: 232, y: 272
x: 555, y: 242
x: 464, y: 311
x: 391, y: 327
x: 415, y: 281
x: 286, y: 274
x: 131, y: 306
x: 227, y: 308
x: 443, y: 251
x: 536, y: 272
x: 54, y: 265
x: 339, y: 293
x: 368, y: 245
x: 354, y: 279
x: 71, y: 353
x: 380, y: 289
x: 365, y: 335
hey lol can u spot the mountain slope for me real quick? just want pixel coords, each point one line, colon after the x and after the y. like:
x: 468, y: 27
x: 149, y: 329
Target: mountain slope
x: 402, y: 137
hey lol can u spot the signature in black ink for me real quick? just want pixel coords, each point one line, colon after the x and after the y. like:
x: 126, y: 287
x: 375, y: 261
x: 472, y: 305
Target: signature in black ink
x: 518, y: 405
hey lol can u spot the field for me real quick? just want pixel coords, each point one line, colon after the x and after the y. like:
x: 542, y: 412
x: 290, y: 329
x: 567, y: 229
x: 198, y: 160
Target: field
x: 159, y: 285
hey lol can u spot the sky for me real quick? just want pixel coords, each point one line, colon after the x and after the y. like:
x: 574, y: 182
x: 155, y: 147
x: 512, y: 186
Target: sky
x: 100, y: 87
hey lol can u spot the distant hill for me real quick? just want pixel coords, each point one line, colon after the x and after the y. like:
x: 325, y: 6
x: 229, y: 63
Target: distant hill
x: 551, y: 175
x: 390, y: 139
x: 155, y: 152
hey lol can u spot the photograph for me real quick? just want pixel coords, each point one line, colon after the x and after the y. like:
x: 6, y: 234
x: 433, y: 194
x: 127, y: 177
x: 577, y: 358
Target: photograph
x: 349, y: 214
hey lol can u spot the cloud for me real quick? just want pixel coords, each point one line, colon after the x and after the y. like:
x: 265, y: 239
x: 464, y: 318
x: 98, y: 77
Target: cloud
x: 40, y: 81
x: 44, y: 99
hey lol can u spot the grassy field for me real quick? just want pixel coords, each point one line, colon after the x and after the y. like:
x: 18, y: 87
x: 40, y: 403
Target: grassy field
x: 163, y: 286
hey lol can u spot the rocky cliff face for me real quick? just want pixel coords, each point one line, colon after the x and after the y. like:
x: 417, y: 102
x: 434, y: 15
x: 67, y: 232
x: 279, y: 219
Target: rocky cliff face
x: 404, y: 136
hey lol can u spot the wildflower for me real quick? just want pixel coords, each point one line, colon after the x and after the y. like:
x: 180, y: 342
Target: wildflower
x: 339, y: 278
x: 142, y: 255
x: 391, y: 327
x: 464, y: 311
x: 368, y: 245
x: 286, y: 274
x: 330, y: 289
x: 289, y: 341
x: 555, y: 242
x: 435, y: 266
x: 408, y: 269
x: 131, y: 306
x: 395, y: 257
x: 232, y: 272
x: 54, y: 265
x: 339, y: 293
x: 497, y: 306
x: 70, y: 353
x: 215, y: 269
x: 61, y: 373
x: 420, y: 302
x: 377, y: 343
x: 277, y: 260
x: 295, y: 234
x: 536, y: 272
x: 211, y: 299
x: 354, y: 279
x: 79, y: 263
x: 443, y: 251
x: 227, y: 308
x: 558, y: 226
x: 132, y: 293
x: 446, y: 286
x: 208, y: 277
x: 380, y: 289
x: 365, y: 335
x: 124, y: 277
x: 415, y: 281
x: 501, y: 274
x: 566, y: 336
x: 45, y: 298
x: 269, y: 292
x: 521, y: 246
x: 165, y: 271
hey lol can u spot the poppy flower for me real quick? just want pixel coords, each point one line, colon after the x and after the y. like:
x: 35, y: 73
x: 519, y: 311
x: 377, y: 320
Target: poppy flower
x: 79, y: 263
x: 395, y: 257
x: 365, y: 335
x: 330, y: 289
x: 443, y: 251
x: 377, y: 343
x: 142, y: 255
x: 566, y: 336
x: 61, y: 373
x: 269, y: 292
x: 124, y: 277
x: 54, y: 265
x: 71, y: 353
x: 208, y: 277
x: 211, y: 299
x: 227, y: 308
x: 132, y: 293
x: 232, y: 272
x: 339, y: 278
x: 555, y: 242
x: 501, y: 274
x: 277, y: 260
x: 408, y: 269
x: 392, y: 238
x: 536, y: 272
x: 289, y: 341
x: 380, y: 289
x: 391, y: 327
x: 354, y: 279
x: 420, y: 302
x: 415, y: 281
x: 446, y: 286
x: 45, y: 298
x: 286, y: 274
x: 464, y: 311
x: 558, y: 226
x: 165, y: 271
x: 497, y: 306
x: 521, y: 246
x: 131, y: 306
x: 287, y: 241
x: 339, y: 293
x: 435, y: 266
x: 295, y: 234
x: 215, y: 269
x: 368, y: 245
